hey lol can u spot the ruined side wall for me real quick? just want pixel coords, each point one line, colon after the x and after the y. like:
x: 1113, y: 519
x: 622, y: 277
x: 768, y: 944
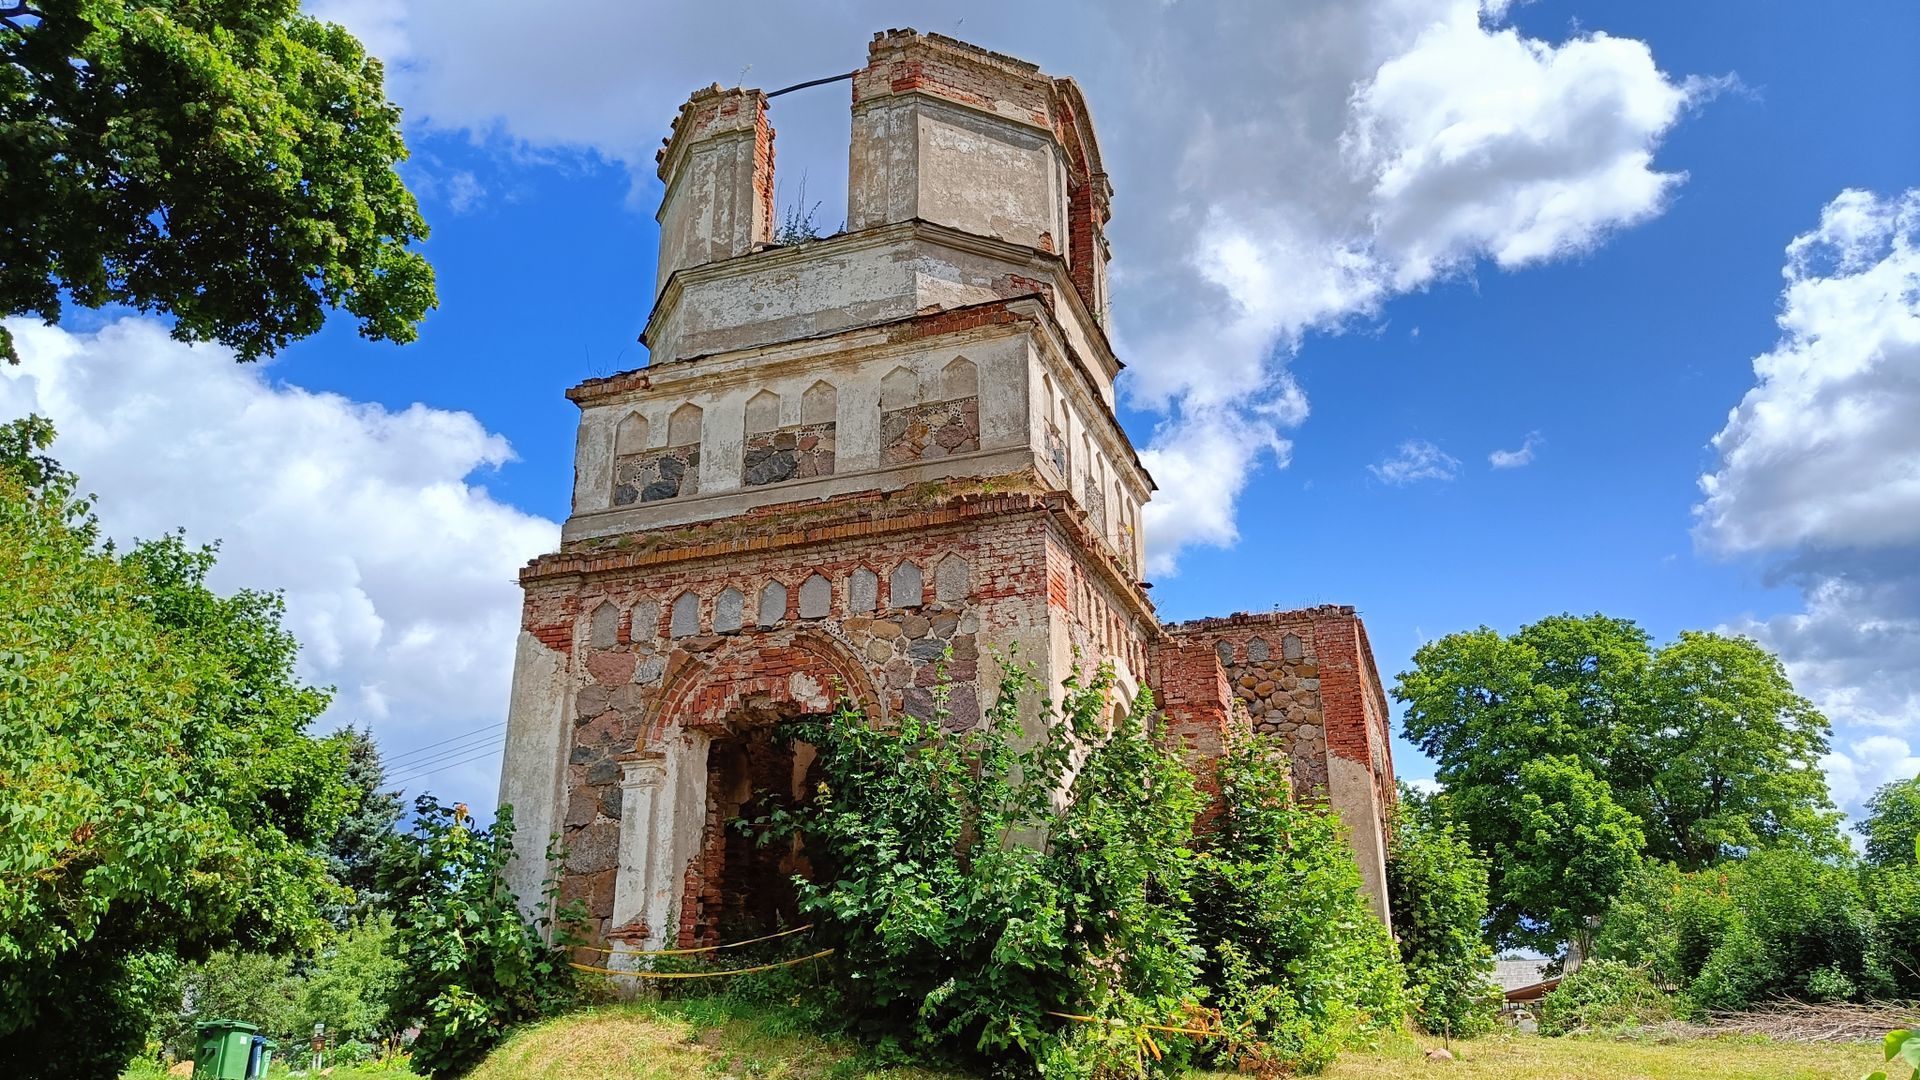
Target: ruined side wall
x: 1309, y: 677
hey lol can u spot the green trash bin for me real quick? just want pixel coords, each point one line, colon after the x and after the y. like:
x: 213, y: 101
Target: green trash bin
x: 226, y: 1048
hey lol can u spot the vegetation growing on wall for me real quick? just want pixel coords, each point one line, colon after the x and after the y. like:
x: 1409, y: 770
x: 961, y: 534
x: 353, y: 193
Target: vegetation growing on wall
x: 980, y: 895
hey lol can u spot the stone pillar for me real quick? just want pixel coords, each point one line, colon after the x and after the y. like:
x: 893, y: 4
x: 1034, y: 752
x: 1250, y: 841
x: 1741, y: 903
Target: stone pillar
x: 533, y: 769
x: 642, y: 780
x: 1191, y: 688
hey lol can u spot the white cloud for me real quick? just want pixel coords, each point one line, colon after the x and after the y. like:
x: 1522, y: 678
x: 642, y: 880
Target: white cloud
x: 398, y: 571
x: 1819, y: 475
x: 1514, y: 459
x: 1867, y: 764
x: 1280, y: 168
x: 1414, y: 461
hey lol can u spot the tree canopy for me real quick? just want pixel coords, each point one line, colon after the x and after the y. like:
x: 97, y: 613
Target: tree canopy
x: 1703, y: 743
x: 1892, y: 825
x: 229, y: 163
x: 159, y: 797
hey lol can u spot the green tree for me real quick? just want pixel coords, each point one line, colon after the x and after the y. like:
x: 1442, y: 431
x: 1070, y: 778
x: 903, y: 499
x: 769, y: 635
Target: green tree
x: 1437, y: 889
x: 229, y: 163
x: 1892, y: 825
x: 159, y: 797
x: 1703, y: 741
x: 1572, y: 850
x: 1294, y: 954
x: 351, y: 982
x: 366, y: 834
x: 1781, y: 922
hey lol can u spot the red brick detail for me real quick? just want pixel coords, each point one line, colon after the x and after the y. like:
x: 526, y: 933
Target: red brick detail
x: 1336, y: 642
x: 1191, y: 689
x: 908, y: 62
x: 745, y: 676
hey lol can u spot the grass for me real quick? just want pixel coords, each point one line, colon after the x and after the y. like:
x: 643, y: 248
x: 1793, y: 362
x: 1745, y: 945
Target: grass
x: 717, y: 1039
x: 1536, y: 1057
x: 711, y: 1039
x: 684, y: 1038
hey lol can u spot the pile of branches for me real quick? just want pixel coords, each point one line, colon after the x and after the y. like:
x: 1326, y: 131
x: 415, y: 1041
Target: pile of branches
x: 1805, y: 1021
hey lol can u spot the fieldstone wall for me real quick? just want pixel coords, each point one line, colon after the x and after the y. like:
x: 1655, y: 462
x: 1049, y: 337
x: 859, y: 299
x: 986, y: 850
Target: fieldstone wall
x: 935, y: 429
x: 791, y: 453
x: 656, y: 474
x: 729, y: 641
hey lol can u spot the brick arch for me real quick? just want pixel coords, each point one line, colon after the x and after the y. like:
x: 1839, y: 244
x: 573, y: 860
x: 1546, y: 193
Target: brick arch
x: 707, y: 692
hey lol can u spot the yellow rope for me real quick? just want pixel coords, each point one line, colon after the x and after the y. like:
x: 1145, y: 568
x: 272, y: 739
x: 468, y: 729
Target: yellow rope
x: 1205, y: 1032
x: 688, y: 952
x: 699, y: 974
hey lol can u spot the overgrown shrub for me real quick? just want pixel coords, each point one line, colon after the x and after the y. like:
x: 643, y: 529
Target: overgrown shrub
x: 970, y: 890
x: 1893, y: 894
x: 1605, y: 995
x: 1437, y: 889
x: 1779, y: 923
x: 472, y: 965
x: 1294, y: 954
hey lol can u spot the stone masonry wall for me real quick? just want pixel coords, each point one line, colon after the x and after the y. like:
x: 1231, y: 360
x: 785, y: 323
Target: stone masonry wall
x: 1274, y: 671
x: 934, y: 430
x: 716, y: 638
x: 656, y: 474
x: 791, y: 453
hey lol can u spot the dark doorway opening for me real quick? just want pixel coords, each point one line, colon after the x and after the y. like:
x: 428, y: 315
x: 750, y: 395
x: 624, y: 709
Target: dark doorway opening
x: 741, y: 884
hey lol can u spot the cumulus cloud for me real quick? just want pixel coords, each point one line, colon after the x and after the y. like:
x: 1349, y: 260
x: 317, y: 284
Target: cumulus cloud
x: 1280, y: 169
x: 1514, y: 459
x: 1414, y: 461
x: 398, y: 570
x: 1819, y: 476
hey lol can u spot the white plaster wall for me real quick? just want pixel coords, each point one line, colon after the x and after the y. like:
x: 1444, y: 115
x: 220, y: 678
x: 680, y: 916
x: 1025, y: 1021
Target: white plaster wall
x: 721, y: 391
x: 593, y: 454
x: 709, y: 208
x: 532, y: 776
x: 987, y: 175
x: 1350, y: 790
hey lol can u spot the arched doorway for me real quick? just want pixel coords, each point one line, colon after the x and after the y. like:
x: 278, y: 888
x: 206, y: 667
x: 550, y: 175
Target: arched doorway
x: 719, y: 748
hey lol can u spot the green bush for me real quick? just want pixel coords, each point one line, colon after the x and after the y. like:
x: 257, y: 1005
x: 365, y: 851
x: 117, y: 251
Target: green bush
x: 965, y: 903
x: 1296, y: 958
x: 1780, y: 923
x: 470, y: 965
x: 1893, y: 894
x: 1437, y: 889
x: 1605, y: 995
x: 976, y: 884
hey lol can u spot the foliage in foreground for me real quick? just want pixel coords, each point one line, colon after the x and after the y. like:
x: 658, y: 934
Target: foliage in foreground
x: 344, y: 985
x: 231, y: 164
x: 473, y: 966
x: 159, y: 797
x: 973, y: 890
x: 1294, y: 955
x: 1437, y: 888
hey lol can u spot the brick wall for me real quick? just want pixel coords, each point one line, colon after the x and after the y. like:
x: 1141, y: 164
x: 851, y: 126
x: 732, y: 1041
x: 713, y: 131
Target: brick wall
x: 1308, y: 677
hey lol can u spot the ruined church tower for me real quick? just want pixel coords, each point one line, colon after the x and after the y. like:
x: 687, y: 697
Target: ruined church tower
x: 846, y: 459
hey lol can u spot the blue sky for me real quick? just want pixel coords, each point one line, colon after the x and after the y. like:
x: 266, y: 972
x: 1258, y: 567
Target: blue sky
x: 1618, y: 349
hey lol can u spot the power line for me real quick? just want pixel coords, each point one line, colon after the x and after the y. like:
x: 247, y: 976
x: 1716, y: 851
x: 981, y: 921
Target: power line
x: 488, y: 747
x: 448, y: 739
x: 408, y: 761
x: 415, y: 777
